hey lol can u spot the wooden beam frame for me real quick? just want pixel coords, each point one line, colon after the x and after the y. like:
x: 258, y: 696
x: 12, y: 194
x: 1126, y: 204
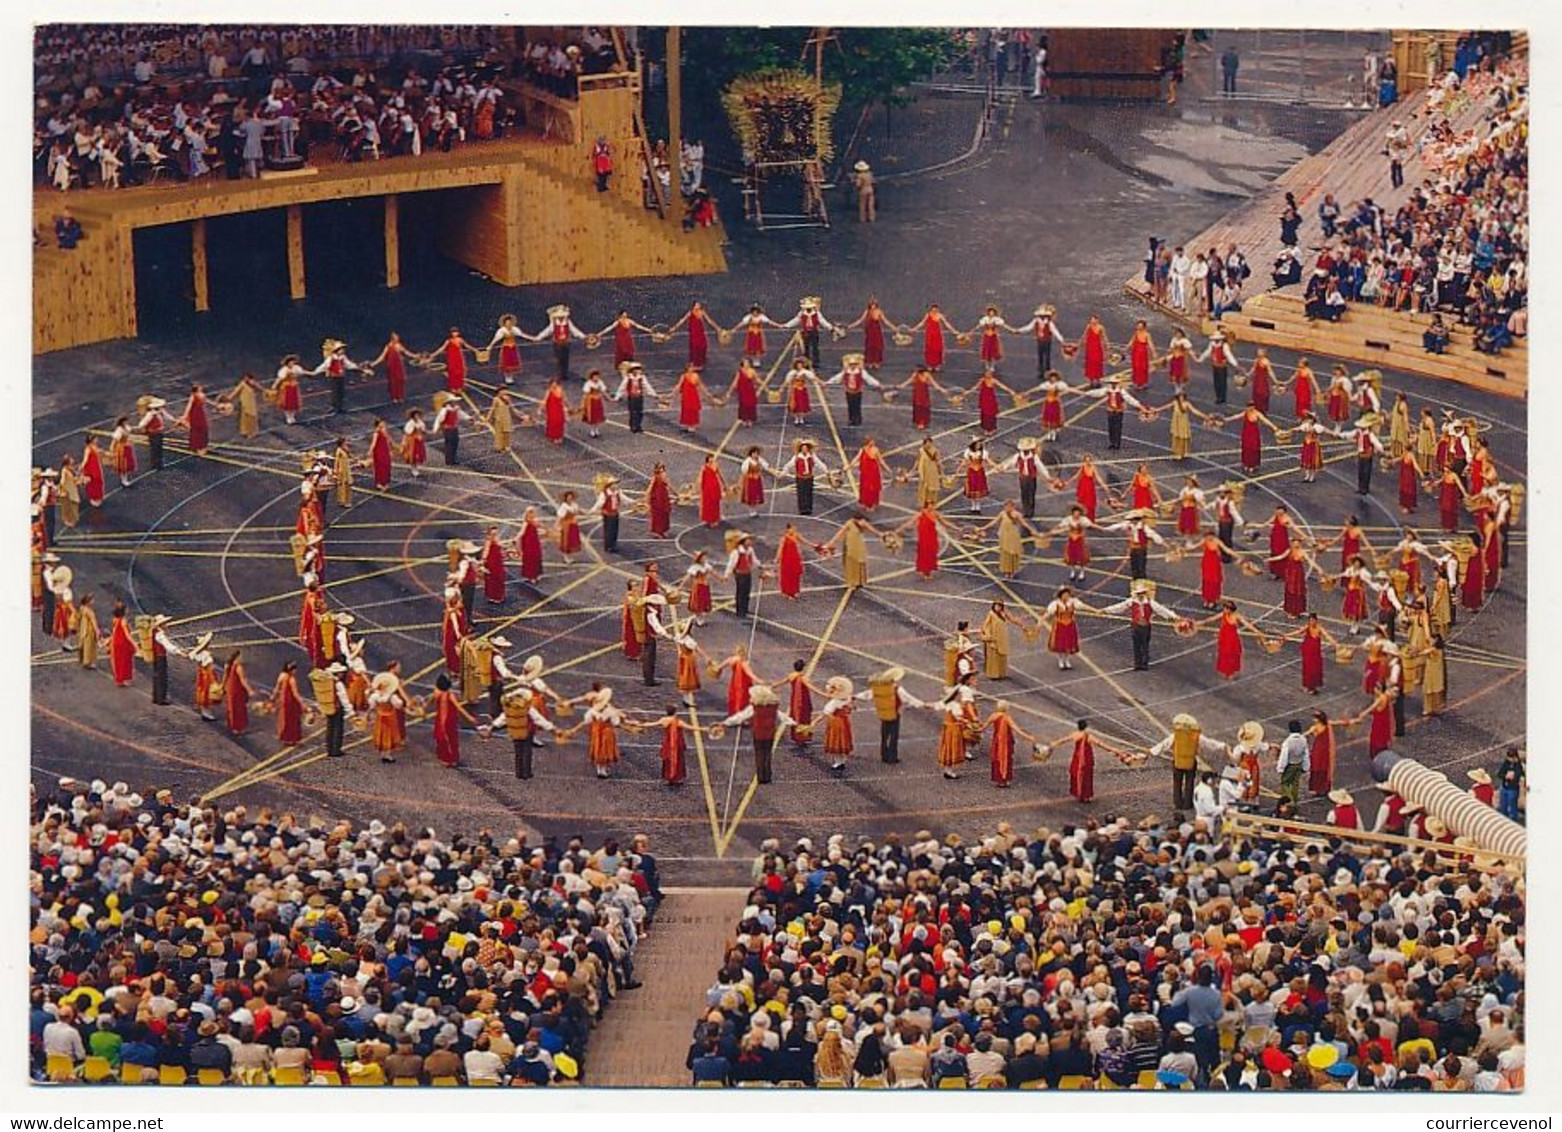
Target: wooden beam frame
x: 198, y: 273
x: 295, y: 251
x: 392, y: 240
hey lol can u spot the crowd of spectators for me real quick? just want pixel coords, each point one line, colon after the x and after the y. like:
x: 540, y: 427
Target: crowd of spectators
x: 119, y: 105
x: 186, y: 937
x: 1119, y: 955
x: 1459, y: 244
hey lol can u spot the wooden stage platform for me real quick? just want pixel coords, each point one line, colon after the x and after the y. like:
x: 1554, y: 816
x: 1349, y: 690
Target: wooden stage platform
x: 1351, y: 167
x: 529, y: 213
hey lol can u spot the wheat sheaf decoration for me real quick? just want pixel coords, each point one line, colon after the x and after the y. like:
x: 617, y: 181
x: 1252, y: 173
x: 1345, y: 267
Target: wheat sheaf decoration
x: 774, y: 113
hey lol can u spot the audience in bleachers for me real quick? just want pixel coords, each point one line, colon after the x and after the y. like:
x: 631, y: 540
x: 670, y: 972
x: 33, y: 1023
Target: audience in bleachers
x: 1147, y: 956
x: 171, y: 935
x: 119, y: 105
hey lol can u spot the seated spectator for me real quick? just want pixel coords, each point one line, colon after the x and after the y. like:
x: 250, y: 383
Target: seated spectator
x: 1328, y: 215
x: 67, y: 229
x: 1435, y: 337
x: 1287, y: 269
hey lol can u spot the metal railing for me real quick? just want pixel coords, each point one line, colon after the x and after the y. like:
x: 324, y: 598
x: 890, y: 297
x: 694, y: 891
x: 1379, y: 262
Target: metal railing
x: 1295, y: 66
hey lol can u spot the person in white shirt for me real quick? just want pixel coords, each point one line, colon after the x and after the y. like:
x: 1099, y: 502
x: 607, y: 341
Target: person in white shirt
x: 1206, y: 807
x: 1181, y: 265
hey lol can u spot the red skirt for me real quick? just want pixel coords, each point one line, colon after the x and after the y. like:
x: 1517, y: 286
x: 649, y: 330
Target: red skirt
x: 493, y: 574
x: 1473, y: 592
x: 797, y: 402
x: 200, y: 433
x: 1252, y: 446
x: 748, y: 400
x: 1139, y: 363
x: 1212, y: 576
x: 1082, y: 772
x: 593, y: 411
x: 553, y: 416
x: 1177, y: 369
x: 1051, y: 414
x: 674, y: 765
x: 1095, y: 357
x: 790, y: 568
x: 1302, y: 395
x: 921, y: 405
x: 1261, y: 390
x: 699, y: 344
x: 531, y: 554
x: 1339, y: 405
x: 927, y: 547
x: 933, y: 345
x: 1076, y: 551
x: 1380, y: 737
x: 1064, y: 638
x: 92, y: 479
x: 510, y: 358
x: 754, y: 342
x: 710, y: 500
x: 753, y: 489
x: 976, y: 483
x: 1312, y: 454
x: 1085, y: 495
x: 699, y: 595
x: 1312, y: 662
x: 380, y: 460
x: 1448, y: 502
x: 1228, y: 651
x: 992, y: 346
x: 623, y: 345
x: 987, y: 408
x: 569, y: 537
x: 455, y: 368
x: 1354, y: 607
x: 870, y: 484
x: 689, y: 406
x: 292, y: 401
x: 396, y: 377
x: 1188, y: 519
x: 631, y: 642
x: 125, y: 459
x: 873, y: 343
x: 659, y: 509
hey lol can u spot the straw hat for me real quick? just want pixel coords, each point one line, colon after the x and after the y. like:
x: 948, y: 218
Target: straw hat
x: 346, y: 619
x: 1251, y: 733
x: 468, y: 547
x: 332, y: 345
x: 1367, y: 421
x: 383, y: 684
x: 1341, y: 797
x: 861, y: 166
x: 892, y: 675
x: 603, y: 480
x: 559, y: 310
x: 1480, y: 776
x: 62, y: 576
x: 851, y: 359
x: 201, y: 642
x: 1183, y: 720
x: 531, y: 668
x: 838, y: 687
x: 1046, y: 310
x: 499, y: 642
x: 1028, y: 444
x: 762, y: 694
x: 809, y: 302
x: 1435, y: 827
x: 152, y: 403
x: 801, y: 443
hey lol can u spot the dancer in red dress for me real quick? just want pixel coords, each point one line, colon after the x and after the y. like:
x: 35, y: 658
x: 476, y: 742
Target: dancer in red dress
x: 974, y: 463
x: 493, y: 568
x: 1141, y: 350
x: 1228, y: 641
x: 454, y: 629
x: 674, y: 748
x: 711, y: 489
x: 1380, y: 735
x: 1076, y: 550
x: 1295, y: 564
x: 379, y: 458
x: 1490, y: 548
x: 986, y: 389
x: 632, y: 646
x: 872, y: 470
x: 691, y: 394
x: 1081, y: 763
x: 697, y: 321
x: 745, y: 387
x: 1191, y: 502
x: 593, y: 403
x: 236, y: 693
x: 1088, y: 486
x: 697, y: 582
x: 453, y: 352
x: 929, y: 526
x: 194, y: 420
x: 1212, y: 568
x: 528, y: 546
x: 1310, y: 435
x: 659, y: 502
x: 1262, y: 376
x: 1313, y: 637
x: 741, y: 677
x: 1304, y: 389
x: 923, y: 384
x: 989, y: 330
x: 1253, y: 438
x: 1410, y: 474
x: 92, y: 472
x: 1001, y: 746
x: 789, y: 563
x: 1094, y: 344
x: 623, y: 328
x: 567, y: 527
x: 872, y: 320
x: 935, y: 327
x: 1341, y: 389
x: 1450, y: 500
x: 121, y: 648
x: 448, y: 717
x: 1355, y: 578
x: 1279, y: 540
x: 287, y: 706
x: 395, y: 354
x: 122, y: 451
x: 1321, y: 756
x: 285, y: 392
x: 751, y: 479
x: 555, y: 411
x: 1179, y: 359
x: 1472, y: 591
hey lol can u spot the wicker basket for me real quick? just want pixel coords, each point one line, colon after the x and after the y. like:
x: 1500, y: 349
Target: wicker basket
x: 1273, y: 645
x: 660, y: 336
x: 482, y: 357
x: 962, y: 339
x: 1042, y: 542
x: 1344, y: 654
x: 803, y: 731
x: 1329, y: 583
x: 712, y: 670
x: 592, y: 341
x: 1250, y: 568
x: 717, y: 732
x: 773, y: 396
x: 724, y: 337
x: 1185, y: 627
x: 1176, y: 553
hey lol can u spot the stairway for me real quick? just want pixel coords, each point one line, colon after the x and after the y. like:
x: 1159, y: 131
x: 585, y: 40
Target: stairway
x: 645, y: 1033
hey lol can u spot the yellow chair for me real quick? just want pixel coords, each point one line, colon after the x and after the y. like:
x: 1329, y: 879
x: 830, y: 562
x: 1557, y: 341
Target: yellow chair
x: 60, y: 1067
x: 1146, y: 1080
x: 1038, y: 1083
x: 483, y: 1083
x: 993, y: 1081
x: 129, y: 1074
x: 210, y: 1077
x: 1228, y: 1041
x: 171, y: 1075
x: 404, y: 1082
x: 96, y: 1069
x: 444, y: 1082
x: 710, y: 1085
x: 1106, y: 1083
x: 370, y: 1075
x: 951, y: 1083
x: 288, y: 1075
x: 832, y: 1084
x: 872, y: 1083
x: 1076, y: 1081
x: 566, y: 1083
x: 753, y: 1084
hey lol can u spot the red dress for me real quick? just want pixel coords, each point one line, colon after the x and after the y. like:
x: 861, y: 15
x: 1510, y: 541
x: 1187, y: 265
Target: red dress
x: 1339, y: 403
x: 452, y: 632
x: 789, y: 567
x: 992, y: 345
x: 1302, y: 393
x: 92, y: 475
x: 121, y: 652
x: 1449, y: 497
x: 531, y: 552
x: 593, y: 409
x: 1295, y: 601
x: 1228, y: 647
x: 396, y: 376
x: 124, y: 458
x: 751, y: 487
x: 699, y: 594
x: 455, y: 366
x: 921, y: 403
x: 1002, y: 751
x: 1177, y: 367
x: 1143, y: 494
x: 659, y: 507
x: 1252, y: 444
x: 623, y: 344
x: 976, y: 480
x: 1064, y: 638
x: 1312, y: 452
x: 1051, y: 412
x: 711, y: 488
x: 493, y: 573
x: 748, y: 397
x: 309, y: 630
x: 1095, y: 354
x: 1493, y: 553
x: 1188, y: 518
x: 290, y: 714
x: 447, y: 728
x: 1409, y: 494
x: 235, y: 698
x: 927, y: 545
x: 1082, y: 771
x: 200, y: 430
x: 1279, y: 544
x: 1139, y: 360
x: 554, y: 413
x: 797, y: 402
x: 1312, y: 662
x: 631, y: 642
x: 380, y: 459
x: 754, y: 340
x: 870, y: 481
x: 1320, y: 774
x: 801, y: 708
x: 873, y: 341
x: 1350, y: 546
x: 415, y: 448
x: 1085, y: 493
x: 688, y: 402
x: 674, y: 765
x: 1380, y: 737
x: 1211, y: 576
x: 738, y: 685
x: 289, y: 397
x: 699, y: 343
x: 510, y: 357
x: 933, y: 344
x: 1076, y: 551
x: 1473, y: 591
x: 1261, y: 386
x: 987, y: 405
